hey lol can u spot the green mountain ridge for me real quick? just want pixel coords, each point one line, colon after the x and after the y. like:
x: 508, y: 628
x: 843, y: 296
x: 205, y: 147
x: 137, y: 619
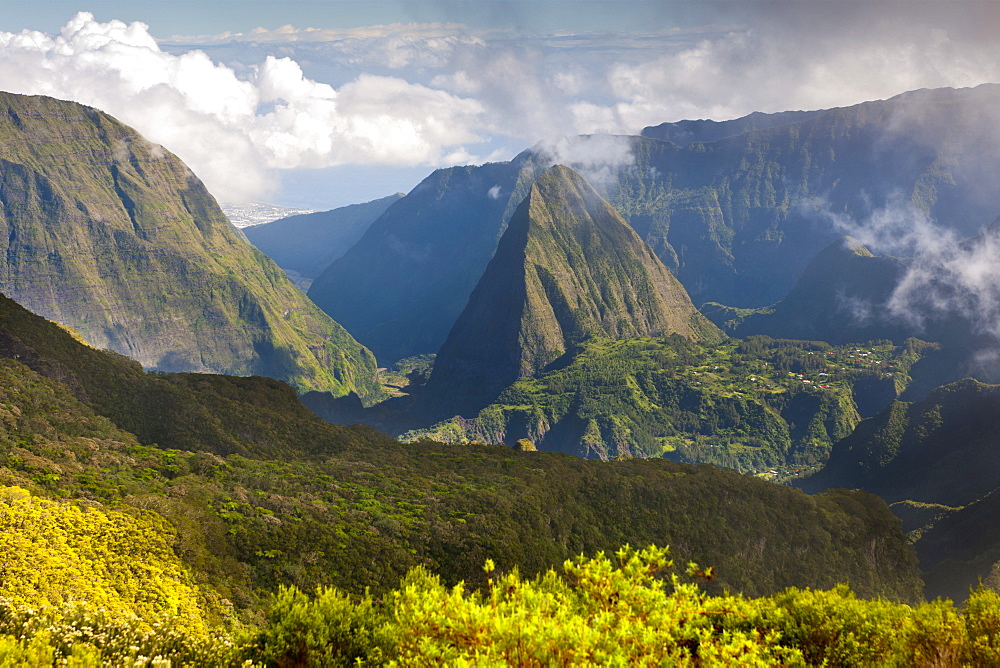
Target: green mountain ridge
x: 752, y: 405
x: 116, y: 238
x: 214, y: 413
x: 567, y: 267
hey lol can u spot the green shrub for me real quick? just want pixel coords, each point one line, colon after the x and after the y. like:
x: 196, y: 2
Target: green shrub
x: 330, y: 629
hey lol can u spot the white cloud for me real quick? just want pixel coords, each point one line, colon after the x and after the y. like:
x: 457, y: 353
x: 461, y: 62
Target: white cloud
x: 233, y: 130
x: 597, y: 158
x: 782, y: 66
x: 441, y: 93
x: 896, y: 228
x: 949, y: 278
x: 959, y: 280
x: 289, y: 33
x: 394, y: 46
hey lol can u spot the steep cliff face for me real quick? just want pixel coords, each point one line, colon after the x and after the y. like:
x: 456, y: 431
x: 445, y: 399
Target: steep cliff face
x: 567, y: 267
x: 739, y: 219
x: 115, y: 236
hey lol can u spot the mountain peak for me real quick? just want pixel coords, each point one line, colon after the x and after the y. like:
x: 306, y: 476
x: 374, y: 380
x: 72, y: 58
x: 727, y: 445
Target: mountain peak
x: 567, y: 267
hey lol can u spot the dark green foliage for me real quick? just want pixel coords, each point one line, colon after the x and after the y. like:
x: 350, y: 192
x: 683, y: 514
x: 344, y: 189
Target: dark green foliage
x: 951, y: 433
x: 311, y: 504
x: 329, y: 629
x: 750, y: 405
x: 221, y: 414
x: 361, y: 518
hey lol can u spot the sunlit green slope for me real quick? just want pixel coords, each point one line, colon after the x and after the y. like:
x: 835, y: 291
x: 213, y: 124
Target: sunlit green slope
x: 116, y: 237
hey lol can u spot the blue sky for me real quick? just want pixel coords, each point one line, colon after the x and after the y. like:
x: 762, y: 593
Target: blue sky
x: 187, y: 17
x: 326, y: 103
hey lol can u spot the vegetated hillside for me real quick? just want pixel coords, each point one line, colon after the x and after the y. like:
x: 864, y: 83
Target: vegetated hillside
x: 938, y: 450
x: 632, y: 607
x: 352, y: 508
x: 308, y: 243
x: 115, y: 237
x: 56, y: 553
x: 683, y: 133
x: 566, y: 268
x: 220, y: 414
x: 940, y: 454
x: 401, y: 287
x: 752, y: 405
x: 961, y: 549
x: 737, y: 220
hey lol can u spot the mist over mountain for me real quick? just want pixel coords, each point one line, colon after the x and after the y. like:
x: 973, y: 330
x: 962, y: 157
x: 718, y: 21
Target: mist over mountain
x: 949, y: 293
x: 842, y: 296
x: 115, y: 237
x: 745, y: 215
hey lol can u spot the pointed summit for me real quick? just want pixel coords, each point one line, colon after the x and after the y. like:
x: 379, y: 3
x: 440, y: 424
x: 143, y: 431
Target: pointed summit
x: 568, y: 266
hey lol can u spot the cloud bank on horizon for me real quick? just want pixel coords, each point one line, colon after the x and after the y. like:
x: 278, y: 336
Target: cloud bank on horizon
x: 442, y: 94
